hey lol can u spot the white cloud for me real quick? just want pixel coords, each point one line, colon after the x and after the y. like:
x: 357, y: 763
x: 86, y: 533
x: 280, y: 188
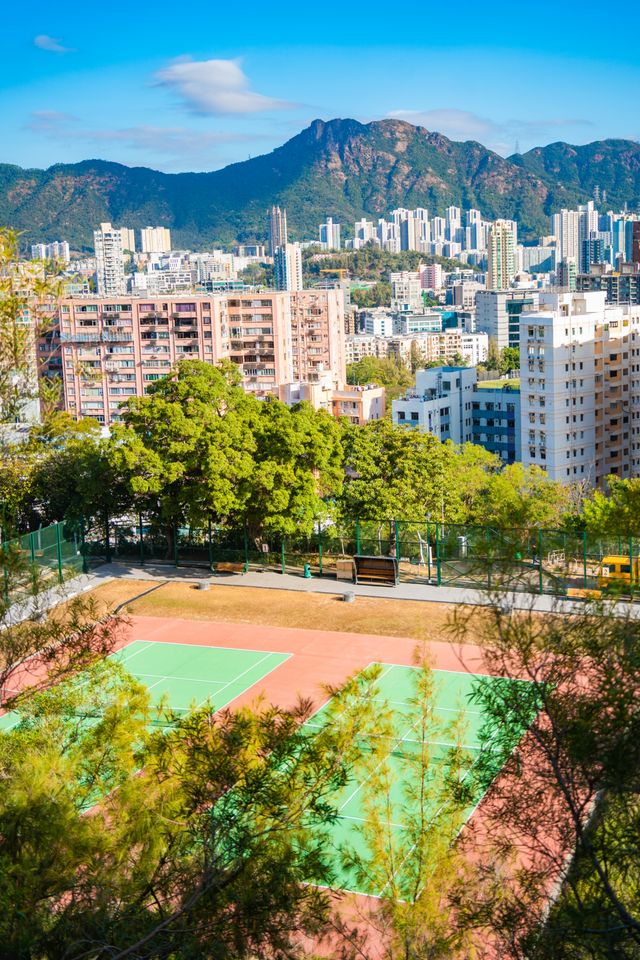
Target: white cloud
x: 215, y: 87
x: 44, y: 42
x: 499, y: 136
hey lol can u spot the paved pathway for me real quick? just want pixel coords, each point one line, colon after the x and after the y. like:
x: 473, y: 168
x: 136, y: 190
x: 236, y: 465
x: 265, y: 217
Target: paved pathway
x: 271, y: 580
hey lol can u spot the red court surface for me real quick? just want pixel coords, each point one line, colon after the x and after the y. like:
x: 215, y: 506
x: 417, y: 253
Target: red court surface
x: 318, y: 657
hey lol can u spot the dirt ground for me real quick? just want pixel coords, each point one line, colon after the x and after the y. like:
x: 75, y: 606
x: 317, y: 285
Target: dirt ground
x: 280, y: 608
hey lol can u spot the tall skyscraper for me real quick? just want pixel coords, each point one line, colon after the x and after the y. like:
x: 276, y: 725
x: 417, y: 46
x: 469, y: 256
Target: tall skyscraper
x: 277, y: 229
x: 330, y: 235
x: 501, y: 255
x: 565, y: 228
x: 110, y: 276
x: 287, y: 264
x: 155, y: 240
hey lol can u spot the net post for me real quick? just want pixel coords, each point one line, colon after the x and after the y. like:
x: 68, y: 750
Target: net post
x: 141, y: 538
x: 59, y: 553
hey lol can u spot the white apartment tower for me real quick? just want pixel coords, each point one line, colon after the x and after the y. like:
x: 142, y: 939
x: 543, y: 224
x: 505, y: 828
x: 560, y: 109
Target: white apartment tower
x: 110, y: 276
x: 155, y: 240
x: 277, y: 229
x: 287, y: 264
x: 330, y: 235
x: 557, y: 366
x: 501, y: 255
x: 565, y: 226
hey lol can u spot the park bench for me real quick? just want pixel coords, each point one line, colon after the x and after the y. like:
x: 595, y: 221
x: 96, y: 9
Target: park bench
x: 383, y: 570
x: 230, y: 567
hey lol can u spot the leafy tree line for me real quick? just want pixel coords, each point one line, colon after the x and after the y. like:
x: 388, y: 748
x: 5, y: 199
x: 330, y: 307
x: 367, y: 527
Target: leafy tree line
x: 197, y: 450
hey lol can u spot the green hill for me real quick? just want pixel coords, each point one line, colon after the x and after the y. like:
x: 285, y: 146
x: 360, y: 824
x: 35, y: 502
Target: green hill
x: 340, y: 168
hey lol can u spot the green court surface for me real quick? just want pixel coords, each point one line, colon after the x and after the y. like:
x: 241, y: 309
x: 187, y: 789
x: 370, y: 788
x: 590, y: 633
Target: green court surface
x: 396, y: 688
x: 185, y: 676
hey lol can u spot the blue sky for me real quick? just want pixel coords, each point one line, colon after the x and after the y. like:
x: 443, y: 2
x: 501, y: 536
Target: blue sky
x: 194, y: 87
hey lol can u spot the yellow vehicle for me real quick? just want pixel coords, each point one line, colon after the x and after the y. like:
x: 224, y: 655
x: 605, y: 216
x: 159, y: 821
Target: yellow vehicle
x: 616, y: 570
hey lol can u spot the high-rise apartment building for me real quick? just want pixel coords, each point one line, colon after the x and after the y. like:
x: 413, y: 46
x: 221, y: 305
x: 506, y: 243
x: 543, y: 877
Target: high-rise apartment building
x: 330, y: 235
x: 58, y: 251
x: 113, y: 348
x: 155, y: 240
x: 287, y: 267
x: 498, y: 314
x: 110, y: 275
x: 565, y: 228
x: 406, y: 291
x: 501, y: 254
x: 578, y: 393
x: 277, y: 229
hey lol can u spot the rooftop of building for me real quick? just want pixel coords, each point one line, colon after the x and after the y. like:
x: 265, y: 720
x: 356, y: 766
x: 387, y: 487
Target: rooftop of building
x: 511, y: 383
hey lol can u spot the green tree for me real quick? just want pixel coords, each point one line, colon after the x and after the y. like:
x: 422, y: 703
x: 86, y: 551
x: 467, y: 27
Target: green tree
x: 395, y: 473
x: 186, y: 450
x: 509, y: 360
x: 379, y: 295
x: 418, y: 868
x: 214, y: 850
x: 616, y: 512
x: 563, y: 814
x: 297, y: 466
x: 27, y: 308
x: 519, y: 496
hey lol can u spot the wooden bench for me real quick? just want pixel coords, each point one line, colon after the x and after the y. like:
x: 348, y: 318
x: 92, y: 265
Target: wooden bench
x: 376, y: 570
x: 229, y: 567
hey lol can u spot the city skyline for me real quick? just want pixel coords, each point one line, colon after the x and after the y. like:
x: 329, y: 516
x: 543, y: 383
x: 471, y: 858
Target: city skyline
x: 178, y: 102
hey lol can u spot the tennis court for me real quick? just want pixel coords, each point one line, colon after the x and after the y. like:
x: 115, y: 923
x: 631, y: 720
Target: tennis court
x: 395, y: 693
x: 184, y: 676
x: 187, y: 675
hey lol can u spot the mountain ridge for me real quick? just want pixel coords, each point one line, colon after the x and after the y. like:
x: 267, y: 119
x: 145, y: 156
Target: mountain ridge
x: 340, y: 168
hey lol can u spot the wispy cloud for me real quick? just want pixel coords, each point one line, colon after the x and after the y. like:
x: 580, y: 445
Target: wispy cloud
x: 45, y: 42
x: 215, y: 87
x: 499, y: 136
x: 164, y: 146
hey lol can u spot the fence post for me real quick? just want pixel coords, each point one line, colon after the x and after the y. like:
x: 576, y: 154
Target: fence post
x: 631, y: 566
x: 541, y: 582
x: 107, y: 540
x: 357, y: 537
x: 32, y: 549
x: 210, y: 547
x: 428, y: 551
x: 282, y: 555
x: 397, y: 537
x: 141, y: 538
x: 584, y: 558
x: 83, y: 547
x: 59, y: 553
x: 320, y: 550
x: 438, y: 564
x: 246, y: 548
x: 176, y: 554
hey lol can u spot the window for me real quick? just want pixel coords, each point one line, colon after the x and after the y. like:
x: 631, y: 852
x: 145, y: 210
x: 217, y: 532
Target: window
x: 415, y: 416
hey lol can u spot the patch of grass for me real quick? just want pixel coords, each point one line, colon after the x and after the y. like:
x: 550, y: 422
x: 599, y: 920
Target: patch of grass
x: 281, y: 608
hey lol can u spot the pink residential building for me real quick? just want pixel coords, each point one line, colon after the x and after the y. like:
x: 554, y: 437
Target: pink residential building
x: 114, y: 348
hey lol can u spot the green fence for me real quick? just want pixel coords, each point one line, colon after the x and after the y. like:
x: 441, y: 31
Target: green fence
x: 532, y: 560
x: 40, y: 559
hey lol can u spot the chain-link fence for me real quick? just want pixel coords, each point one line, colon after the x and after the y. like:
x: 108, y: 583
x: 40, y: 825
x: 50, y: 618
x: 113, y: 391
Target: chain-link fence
x: 40, y: 559
x: 441, y: 554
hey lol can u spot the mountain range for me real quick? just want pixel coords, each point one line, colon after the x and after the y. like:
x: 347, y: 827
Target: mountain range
x: 339, y: 168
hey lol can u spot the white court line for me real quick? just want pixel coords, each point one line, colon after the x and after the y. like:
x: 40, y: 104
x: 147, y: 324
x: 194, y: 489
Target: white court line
x: 248, y: 670
x: 207, y: 646
x: 167, y: 676
x: 135, y: 654
x: 464, y: 673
